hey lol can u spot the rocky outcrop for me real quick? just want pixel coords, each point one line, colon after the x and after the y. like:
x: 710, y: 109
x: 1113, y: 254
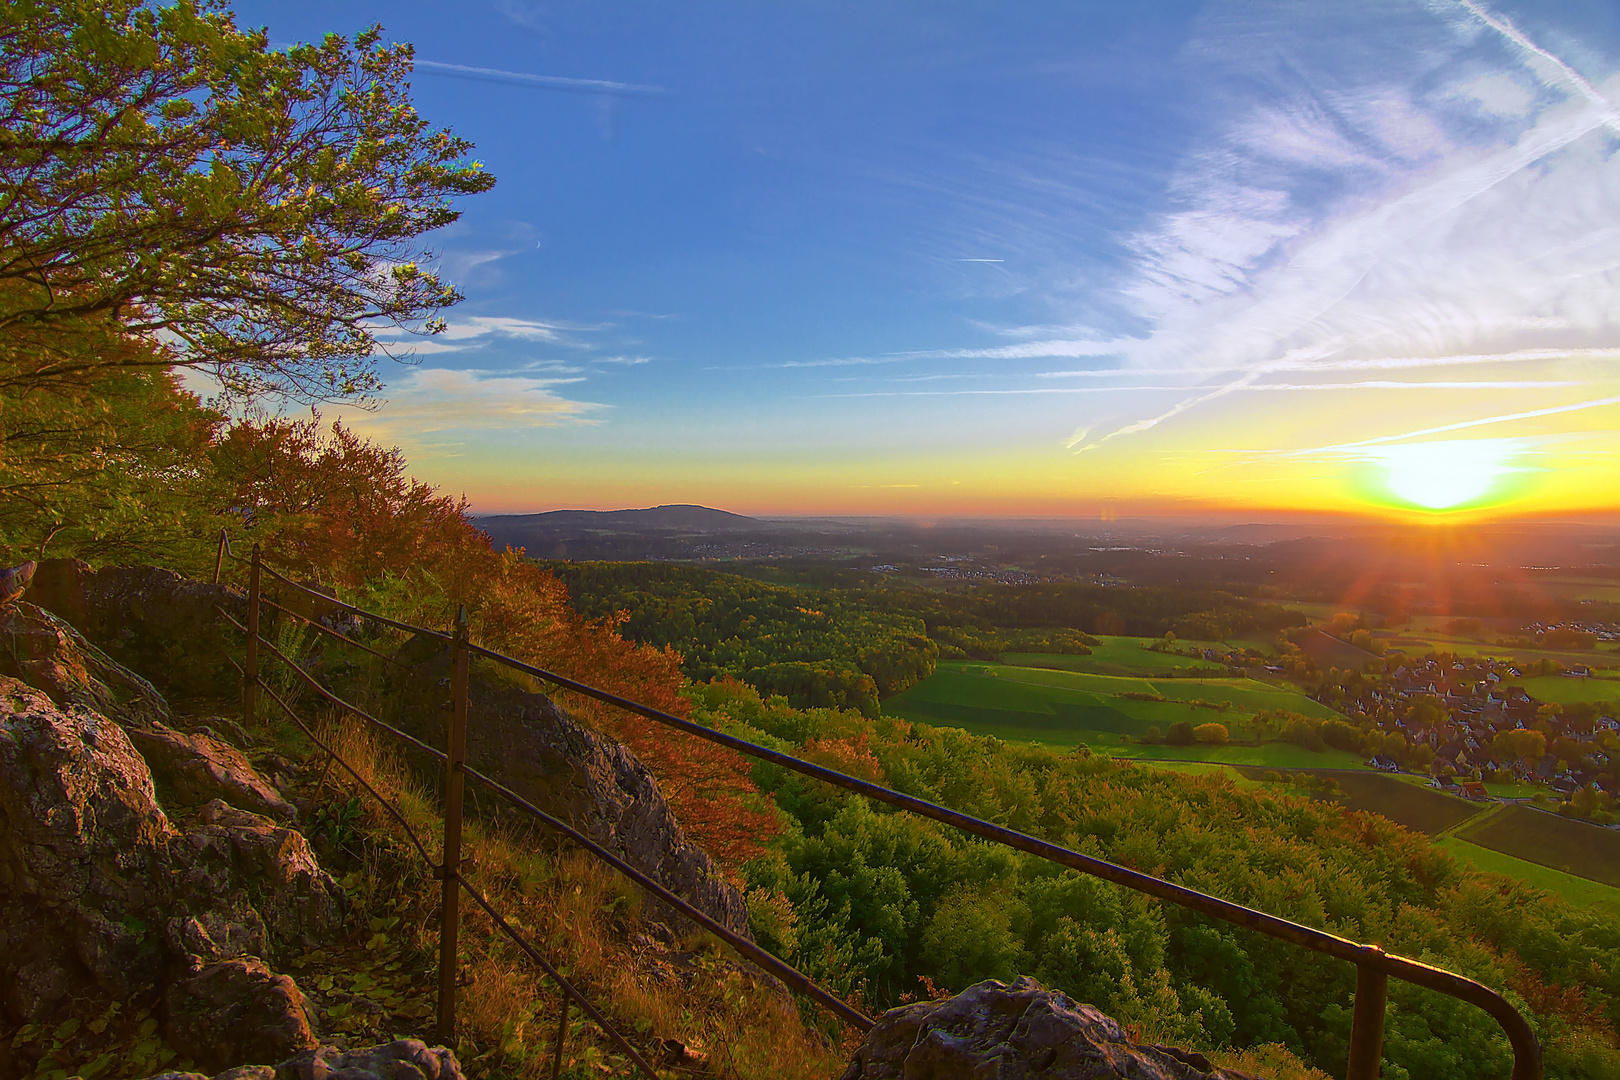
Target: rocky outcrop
x: 235, y: 1011
x: 993, y: 1031
x: 100, y: 893
x: 527, y: 742
x: 196, y: 769
x: 45, y: 652
x: 148, y: 619
x: 404, y: 1059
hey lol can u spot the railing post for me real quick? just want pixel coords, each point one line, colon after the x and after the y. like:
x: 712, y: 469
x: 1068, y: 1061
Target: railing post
x: 1367, y: 1023
x: 562, y: 1034
x: 250, y: 666
x: 219, y: 557
x: 454, y: 781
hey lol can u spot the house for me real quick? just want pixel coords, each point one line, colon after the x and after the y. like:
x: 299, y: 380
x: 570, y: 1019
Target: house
x: 1608, y: 723
x: 1384, y: 763
x: 1473, y: 789
x: 1579, y: 671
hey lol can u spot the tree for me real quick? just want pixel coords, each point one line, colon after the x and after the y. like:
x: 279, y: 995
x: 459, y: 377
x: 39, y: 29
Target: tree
x: 169, y: 179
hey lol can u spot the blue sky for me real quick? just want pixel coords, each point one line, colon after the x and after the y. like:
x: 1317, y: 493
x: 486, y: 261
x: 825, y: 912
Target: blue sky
x: 1036, y: 258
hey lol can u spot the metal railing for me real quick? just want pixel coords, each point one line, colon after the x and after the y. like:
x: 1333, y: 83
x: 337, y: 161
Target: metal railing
x: 1374, y: 967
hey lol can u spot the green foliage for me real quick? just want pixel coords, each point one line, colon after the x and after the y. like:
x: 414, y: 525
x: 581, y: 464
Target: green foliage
x: 886, y: 898
x: 731, y: 625
x: 173, y: 180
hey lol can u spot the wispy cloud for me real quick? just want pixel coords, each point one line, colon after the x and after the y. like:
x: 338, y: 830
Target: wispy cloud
x: 427, y: 403
x: 543, y: 82
x: 1357, y: 227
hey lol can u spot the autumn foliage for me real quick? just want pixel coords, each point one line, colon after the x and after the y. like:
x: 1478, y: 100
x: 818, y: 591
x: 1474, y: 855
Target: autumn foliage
x: 323, y: 503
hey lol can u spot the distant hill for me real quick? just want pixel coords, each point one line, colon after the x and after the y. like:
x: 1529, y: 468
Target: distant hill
x: 682, y: 516
x: 657, y: 532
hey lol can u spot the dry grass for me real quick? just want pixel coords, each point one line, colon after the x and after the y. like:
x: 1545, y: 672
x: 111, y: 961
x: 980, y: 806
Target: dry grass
x: 1273, y: 1060
x: 585, y: 919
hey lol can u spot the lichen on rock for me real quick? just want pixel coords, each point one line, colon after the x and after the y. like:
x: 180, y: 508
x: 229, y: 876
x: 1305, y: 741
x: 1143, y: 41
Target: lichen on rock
x: 997, y: 1031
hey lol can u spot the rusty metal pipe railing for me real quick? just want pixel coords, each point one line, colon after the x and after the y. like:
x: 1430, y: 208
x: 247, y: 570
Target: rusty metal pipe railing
x: 1526, y: 1049
x: 780, y: 968
x: 1374, y: 966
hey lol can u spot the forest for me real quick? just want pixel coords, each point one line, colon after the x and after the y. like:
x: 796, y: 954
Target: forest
x: 889, y: 907
x: 812, y: 641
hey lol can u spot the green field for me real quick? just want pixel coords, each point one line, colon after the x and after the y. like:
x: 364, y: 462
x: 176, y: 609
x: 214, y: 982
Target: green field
x: 1576, y: 890
x: 1573, y: 847
x: 1118, y: 656
x: 1065, y: 708
x: 1273, y: 755
x: 1419, y: 642
x: 1567, y: 691
x: 1417, y: 806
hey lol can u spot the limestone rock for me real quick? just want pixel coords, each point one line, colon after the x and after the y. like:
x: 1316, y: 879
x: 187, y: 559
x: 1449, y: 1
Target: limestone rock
x: 406, y: 1059
x: 82, y: 845
x: 993, y: 1031
x: 101, y: 894
x: 235, y: 861
x: 150, y: 619
x: 525, y: 741
x: 235, y: 1011
x: 50, y: 655
x: 198, y: 769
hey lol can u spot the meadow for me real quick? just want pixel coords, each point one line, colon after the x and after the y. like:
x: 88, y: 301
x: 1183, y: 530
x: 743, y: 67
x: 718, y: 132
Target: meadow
x: 1567, y: 691
x: 1548, y: 840
x: 1066, y: 708
x: 1121, y: 656
x: 1575, y: 890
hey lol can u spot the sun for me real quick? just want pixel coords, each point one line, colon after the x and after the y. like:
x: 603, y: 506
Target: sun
x: 1445, y: 475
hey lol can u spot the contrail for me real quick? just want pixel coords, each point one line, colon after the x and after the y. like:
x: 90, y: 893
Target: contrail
x: 548, y: 82
x: 1502, y: 26
x: 1597, y: 403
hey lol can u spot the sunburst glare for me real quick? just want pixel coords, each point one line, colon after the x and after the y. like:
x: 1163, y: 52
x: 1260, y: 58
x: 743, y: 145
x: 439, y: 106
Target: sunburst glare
x: 1446, y: 475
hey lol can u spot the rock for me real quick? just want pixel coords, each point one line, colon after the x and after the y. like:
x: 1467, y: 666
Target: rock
x: 82, y: 855
x: 236, y: 862
x: 50, y: 655
x: 406, y: 1059
x: 525, y: 741
x: 197, y: 769
x: 993, y: 1031
x: 151, y: 620
x: 101, y: 895
x: 235, y: 1011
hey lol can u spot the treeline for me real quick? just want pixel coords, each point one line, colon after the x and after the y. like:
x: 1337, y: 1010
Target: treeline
x: 871, y: 902
x: 816, y: 647
x: 848, y: 642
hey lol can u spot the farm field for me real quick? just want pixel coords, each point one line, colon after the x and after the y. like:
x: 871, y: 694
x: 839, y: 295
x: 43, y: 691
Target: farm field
x: 1419, y: 642
x: 1065, y: 708
x: 1573, y: 847
x: 1575, y: 890
x: 1117, y: 656
x: 1418, y: 807
x: 1274, y: 755
x: 1567, y: 691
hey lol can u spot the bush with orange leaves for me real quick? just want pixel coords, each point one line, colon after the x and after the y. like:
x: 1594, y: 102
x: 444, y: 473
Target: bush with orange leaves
x: 328, y: 504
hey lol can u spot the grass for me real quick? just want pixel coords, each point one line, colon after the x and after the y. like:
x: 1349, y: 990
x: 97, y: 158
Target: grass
x: 1573, y: 847
x: 1418, y: 807
x: 1119, y: 656
x: 1272, y: 755
x: 1417, y: 643
x: 1567, y: 691
x: 1066, y: 708
x: 1575, y: 890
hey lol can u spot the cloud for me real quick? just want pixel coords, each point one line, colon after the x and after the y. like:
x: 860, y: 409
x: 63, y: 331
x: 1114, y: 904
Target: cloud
x: 428, y: 402
x: 627, y: 361
x: 1333, y: 227
x: 543, y: 82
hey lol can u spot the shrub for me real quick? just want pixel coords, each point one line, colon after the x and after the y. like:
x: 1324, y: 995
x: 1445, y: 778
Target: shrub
x: 1215, y: 734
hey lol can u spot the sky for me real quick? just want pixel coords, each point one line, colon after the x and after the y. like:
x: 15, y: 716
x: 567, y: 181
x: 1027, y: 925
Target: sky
x: 1081, y: 260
